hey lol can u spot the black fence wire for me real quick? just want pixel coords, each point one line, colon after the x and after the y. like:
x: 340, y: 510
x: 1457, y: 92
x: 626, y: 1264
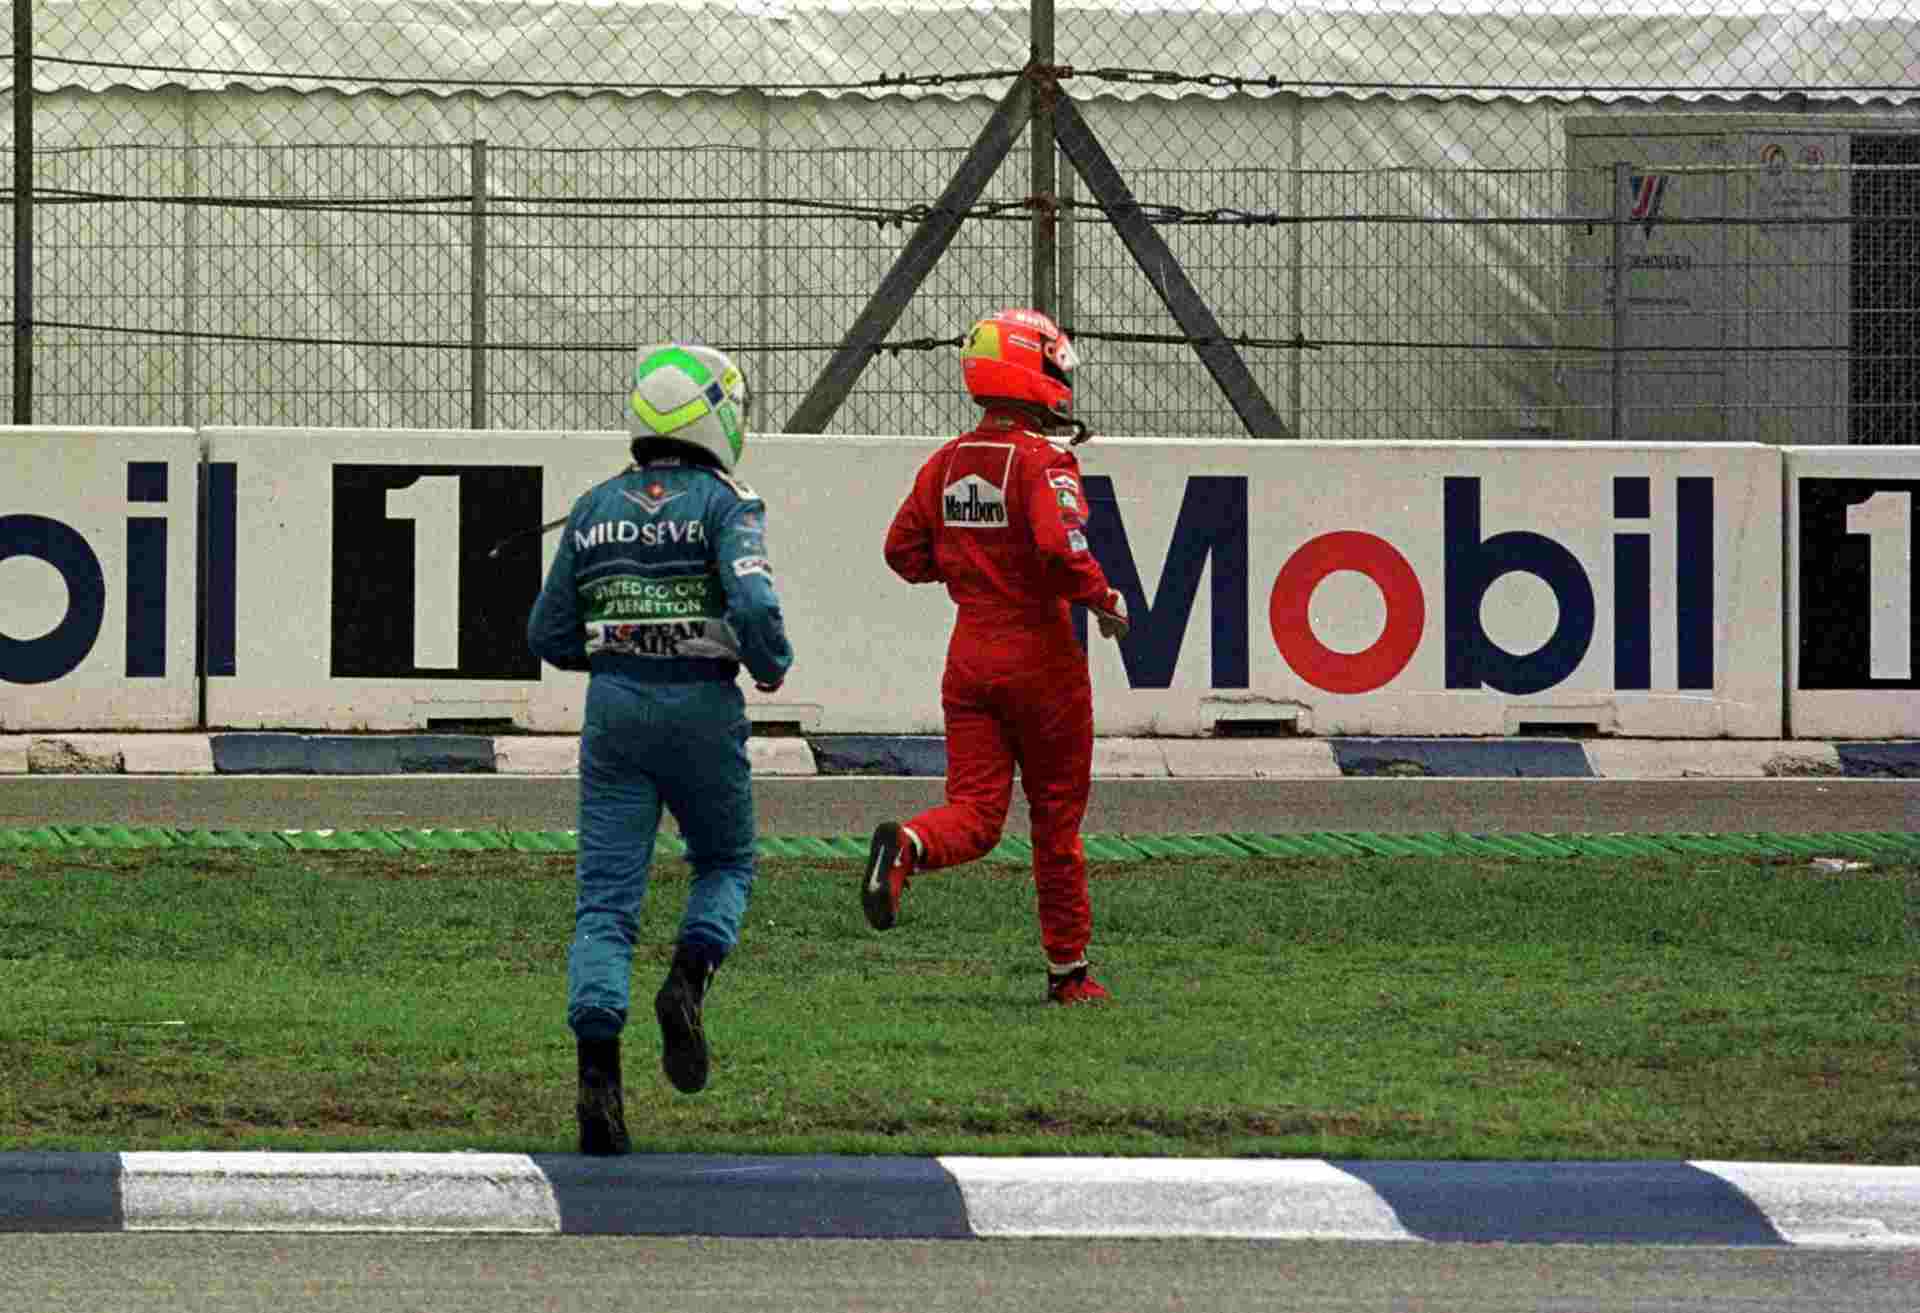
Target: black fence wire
x: 1412, y: 224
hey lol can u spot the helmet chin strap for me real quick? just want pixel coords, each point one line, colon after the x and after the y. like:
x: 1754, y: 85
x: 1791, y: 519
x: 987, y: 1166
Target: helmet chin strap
x: 1081, y: 433
x: 1045, y: 420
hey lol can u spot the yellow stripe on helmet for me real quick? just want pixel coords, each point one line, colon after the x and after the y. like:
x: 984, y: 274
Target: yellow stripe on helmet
x: 983, y: 342
x: 665, y: 422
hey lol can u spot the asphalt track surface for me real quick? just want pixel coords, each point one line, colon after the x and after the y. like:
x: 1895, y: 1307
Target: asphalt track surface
x: 384, y: 1274
x: 853, y: 804
x: 224, y: 1273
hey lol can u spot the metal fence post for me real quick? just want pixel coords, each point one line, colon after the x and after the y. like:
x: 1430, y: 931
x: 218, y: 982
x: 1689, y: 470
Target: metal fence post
x: 1296, y: 266
x: 22, y: 212
x: 189, y: 270
x: 1046, y: 280
x: 1617, y: 382
x: 763, y: 280
x: 477, y: 292
x: 1064, y: 280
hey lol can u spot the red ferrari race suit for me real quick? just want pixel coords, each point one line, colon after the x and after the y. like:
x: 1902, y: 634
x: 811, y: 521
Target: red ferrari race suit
x: 999, y: 516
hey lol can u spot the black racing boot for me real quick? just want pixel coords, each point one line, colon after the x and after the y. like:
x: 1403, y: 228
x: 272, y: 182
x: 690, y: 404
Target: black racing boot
x: 891, y: 859
x: 603, y: 1117
x: 683, y: 1040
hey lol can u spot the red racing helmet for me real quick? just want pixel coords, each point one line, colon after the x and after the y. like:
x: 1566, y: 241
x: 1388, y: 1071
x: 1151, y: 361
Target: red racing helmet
x: 1020, y: 356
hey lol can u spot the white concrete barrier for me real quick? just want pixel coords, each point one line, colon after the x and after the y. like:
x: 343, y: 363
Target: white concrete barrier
x: 380, y: 580
x: 97, y: 578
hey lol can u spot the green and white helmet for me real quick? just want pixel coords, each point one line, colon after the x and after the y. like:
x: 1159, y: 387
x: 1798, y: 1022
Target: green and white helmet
x: 691, y: 394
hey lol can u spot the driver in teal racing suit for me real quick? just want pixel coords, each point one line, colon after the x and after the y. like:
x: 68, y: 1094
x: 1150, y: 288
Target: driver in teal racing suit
x: 662, y: 590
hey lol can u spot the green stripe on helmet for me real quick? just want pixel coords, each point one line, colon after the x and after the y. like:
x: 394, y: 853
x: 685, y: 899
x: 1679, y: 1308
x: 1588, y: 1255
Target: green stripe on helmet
x: 679, y: 357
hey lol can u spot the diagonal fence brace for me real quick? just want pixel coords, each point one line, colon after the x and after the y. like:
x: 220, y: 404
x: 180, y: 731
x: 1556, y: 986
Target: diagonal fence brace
x: 1163, y: 271
x: 923, y: 250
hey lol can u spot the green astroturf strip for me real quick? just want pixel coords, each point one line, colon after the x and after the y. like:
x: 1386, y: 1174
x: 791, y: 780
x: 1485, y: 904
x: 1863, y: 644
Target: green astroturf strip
x: 1889, y: 843
x: 116, y: 836
x: 1017, y: 849
x: 1183, y: 845
x: 1401, y: 845
x: 542, y: 841
x: 804, y: 846
x: 1746, y: 845
x: 1510, y: 845
x: 43, y: 837
x: 450, y: 841
x: 1829, y: 845
x: 340, y: 841
x: 249, y: 839
x: 1295, y: 845
x: 1615, y: 845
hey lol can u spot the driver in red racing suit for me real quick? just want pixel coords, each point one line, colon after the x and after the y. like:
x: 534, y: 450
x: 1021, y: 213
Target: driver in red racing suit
x: 998, y: 515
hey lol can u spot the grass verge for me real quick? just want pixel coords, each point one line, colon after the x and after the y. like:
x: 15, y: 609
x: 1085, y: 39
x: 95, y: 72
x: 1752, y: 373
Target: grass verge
x: 1697, y: 1007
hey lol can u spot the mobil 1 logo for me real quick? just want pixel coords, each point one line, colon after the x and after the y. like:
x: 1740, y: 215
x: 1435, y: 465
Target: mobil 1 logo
x: 415, y: 593
x: 1858, y: 589
x: 46, y: 633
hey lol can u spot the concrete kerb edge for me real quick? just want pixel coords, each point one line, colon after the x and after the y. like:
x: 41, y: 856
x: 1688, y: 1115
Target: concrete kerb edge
x: 1256, y: 759
x: 781, y: 756
x: 1130, y: 759
x: 103, y: 753
x: 1647, y: 759
x: 406, y: 1192
x: 542, y: 754
x: 1806, y: 1205
x: 1114, y: 757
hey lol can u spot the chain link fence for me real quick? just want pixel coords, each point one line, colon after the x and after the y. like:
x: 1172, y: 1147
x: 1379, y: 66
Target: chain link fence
x: 1410, y: 220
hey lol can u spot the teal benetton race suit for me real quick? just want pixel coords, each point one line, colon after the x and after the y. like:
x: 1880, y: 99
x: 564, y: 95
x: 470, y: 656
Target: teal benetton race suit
x: 662, y: 589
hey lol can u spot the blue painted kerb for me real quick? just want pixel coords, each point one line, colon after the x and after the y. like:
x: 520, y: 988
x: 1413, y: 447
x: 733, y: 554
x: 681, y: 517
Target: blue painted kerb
x: 1888, y: 760
x: 1507, y: 758
x: 879, y: 754
x: 352, y: 754
x: 822, y: 1196
x: 60, y: 1192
